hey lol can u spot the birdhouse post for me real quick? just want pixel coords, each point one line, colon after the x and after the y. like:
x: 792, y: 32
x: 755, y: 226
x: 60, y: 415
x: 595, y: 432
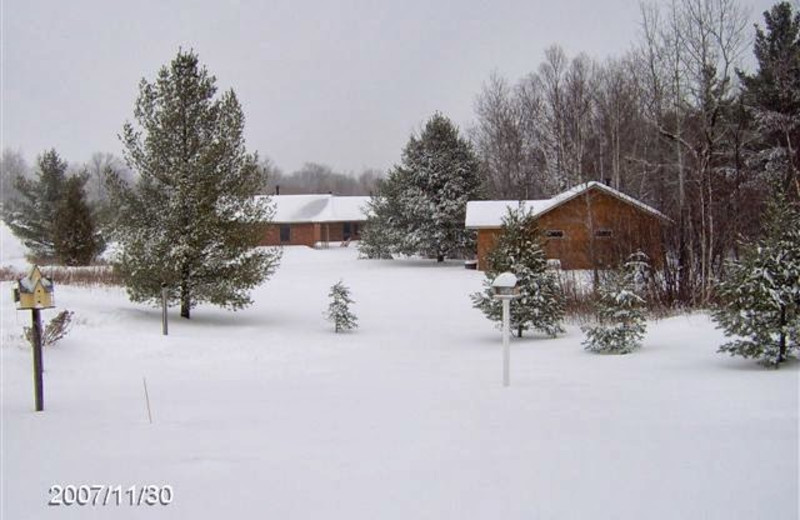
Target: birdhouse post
x: 505, y: 289
x: 35, y: 292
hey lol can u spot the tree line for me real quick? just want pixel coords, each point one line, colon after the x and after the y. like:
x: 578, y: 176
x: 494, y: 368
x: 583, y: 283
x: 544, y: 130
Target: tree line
x: 674, y: 123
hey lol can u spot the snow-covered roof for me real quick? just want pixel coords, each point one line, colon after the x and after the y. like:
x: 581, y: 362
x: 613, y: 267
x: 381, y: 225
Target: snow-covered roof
x: 292, y: 209
x: 490, y: 213
x: 27, y: 285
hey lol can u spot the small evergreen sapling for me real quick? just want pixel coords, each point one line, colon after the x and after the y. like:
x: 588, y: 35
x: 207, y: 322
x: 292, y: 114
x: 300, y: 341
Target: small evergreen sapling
x: 621, y: 321
x: 518, y: 250
x: 339, y: 309
x: 760, y: 299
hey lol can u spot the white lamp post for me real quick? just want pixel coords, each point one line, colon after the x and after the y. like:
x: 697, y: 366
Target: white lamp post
x: 505, y: 289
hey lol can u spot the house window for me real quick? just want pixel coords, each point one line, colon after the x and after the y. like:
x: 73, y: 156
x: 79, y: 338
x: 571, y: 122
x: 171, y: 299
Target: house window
x: 554, y: 233
x: 604, y: 233
x: 286, y: 233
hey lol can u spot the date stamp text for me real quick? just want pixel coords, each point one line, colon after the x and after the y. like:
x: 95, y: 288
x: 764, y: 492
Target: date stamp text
x: 101, y: 495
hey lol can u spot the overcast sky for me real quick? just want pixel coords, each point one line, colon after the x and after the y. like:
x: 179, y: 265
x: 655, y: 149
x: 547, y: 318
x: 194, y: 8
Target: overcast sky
x: 342, y: 83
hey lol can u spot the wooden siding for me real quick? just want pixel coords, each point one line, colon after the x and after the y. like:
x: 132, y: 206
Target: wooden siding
x: 580, y: 219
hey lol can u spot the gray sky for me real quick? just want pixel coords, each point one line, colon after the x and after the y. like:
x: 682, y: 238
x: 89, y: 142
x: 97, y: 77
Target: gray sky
x: 342, y: 83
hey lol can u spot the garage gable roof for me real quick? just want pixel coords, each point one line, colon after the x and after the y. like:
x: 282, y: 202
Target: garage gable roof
x: 490, y: 213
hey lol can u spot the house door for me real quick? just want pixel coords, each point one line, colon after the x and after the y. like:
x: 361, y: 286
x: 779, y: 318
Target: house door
x: 346, y: 231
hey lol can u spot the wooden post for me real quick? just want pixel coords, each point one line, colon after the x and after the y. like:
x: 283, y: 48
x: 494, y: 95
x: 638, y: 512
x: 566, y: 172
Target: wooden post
x: 164, y: 324
x: 147, y: 400
x: 38, y: 365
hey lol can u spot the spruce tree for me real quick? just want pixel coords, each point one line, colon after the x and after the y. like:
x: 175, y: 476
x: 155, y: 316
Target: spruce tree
x: 621, y: 318
x: 519, y: 250
x: 191, y: 219
x: 772, y: 94
x: 73, y: 230
x: 380, y: 234
x: 31, y: 216
x: 759, y: 301
x: 339, y: 308
x: 421, y: 205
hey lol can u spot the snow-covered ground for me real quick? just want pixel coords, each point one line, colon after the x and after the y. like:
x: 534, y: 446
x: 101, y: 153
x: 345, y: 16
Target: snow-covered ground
x: 266, y: 413
x: 12, y: 252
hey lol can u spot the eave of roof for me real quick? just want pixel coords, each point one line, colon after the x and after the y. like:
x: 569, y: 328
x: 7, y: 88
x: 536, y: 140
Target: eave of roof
x: 318, y: 209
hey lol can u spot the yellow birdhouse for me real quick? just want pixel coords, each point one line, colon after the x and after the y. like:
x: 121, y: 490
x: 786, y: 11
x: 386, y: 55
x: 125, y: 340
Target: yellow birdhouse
x: 34, y: 291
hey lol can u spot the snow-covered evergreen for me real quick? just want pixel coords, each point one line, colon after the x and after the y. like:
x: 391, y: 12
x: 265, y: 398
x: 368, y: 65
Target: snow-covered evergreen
x: 74, y: 236
x: 760, y: 298
x: 518, y: 250
x: 620, y: 314
x: 339, y: 312
x: 420, y: 206
x: 770, y: 95
x: 31, y: 216
x: 191, y: 221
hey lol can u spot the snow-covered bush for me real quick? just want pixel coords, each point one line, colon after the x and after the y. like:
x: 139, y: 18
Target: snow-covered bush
x: 518, y: 250
x: 621, y: 323
x: 339, y: 308
x: 759, y: 301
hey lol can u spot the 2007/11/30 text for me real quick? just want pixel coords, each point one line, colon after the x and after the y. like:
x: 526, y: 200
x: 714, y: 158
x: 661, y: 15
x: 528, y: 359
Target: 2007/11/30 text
x: 106, y: 495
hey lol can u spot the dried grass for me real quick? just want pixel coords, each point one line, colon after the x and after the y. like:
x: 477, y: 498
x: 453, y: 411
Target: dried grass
x: 62, y: 275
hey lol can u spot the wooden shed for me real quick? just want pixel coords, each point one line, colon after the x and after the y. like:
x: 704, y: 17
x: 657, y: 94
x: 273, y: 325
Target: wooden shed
x: 586, y: 227
x: 315, y: 220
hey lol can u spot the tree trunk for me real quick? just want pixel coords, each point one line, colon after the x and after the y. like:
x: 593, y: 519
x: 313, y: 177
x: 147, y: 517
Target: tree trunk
x: 440, y: 258
x: 186, y: 299
x: 782, y: 351
x: 519, y: 331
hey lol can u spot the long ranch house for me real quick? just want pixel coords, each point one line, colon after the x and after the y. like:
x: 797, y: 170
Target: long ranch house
x: 315, y: 220
x: 586, y: 227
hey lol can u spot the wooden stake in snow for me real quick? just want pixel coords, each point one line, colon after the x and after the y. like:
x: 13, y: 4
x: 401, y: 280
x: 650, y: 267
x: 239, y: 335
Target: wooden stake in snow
x: 147, y: 400
x: 164, y: 325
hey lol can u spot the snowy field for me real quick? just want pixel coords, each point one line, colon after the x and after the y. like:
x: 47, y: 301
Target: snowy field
x: 265, y: 413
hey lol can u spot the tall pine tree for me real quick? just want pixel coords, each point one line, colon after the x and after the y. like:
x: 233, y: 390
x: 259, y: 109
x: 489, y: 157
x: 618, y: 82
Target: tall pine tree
x: 421, y: 205
x: 31, y: 216
x: 772, y: 95
x: 519, y: 250
x: 74, y: 235
x: 190, y: 220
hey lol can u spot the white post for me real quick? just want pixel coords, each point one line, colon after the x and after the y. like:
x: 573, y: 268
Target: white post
x: 506, y: 346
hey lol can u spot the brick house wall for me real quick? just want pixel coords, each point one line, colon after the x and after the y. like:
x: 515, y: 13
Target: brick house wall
x: 599, y: 230
x: 299, y: 235
x: 308, y: 234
